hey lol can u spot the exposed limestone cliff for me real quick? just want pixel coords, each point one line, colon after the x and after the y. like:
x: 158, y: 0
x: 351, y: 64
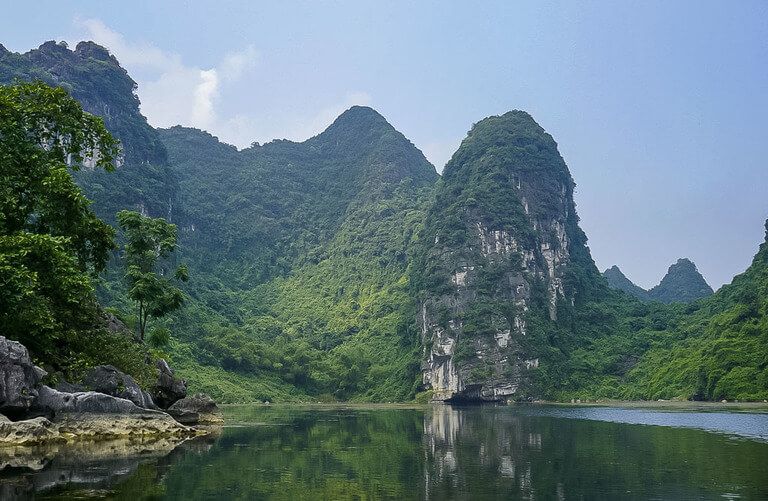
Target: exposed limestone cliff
x: 504, y: 255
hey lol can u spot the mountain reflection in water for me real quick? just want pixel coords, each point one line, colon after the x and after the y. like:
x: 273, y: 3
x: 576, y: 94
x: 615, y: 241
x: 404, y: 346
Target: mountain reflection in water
x: 437, y: 453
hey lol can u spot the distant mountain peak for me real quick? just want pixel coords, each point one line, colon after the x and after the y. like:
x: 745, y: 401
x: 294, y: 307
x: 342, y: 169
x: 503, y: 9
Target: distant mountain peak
x: 358, y: 118
x: 618, y: 280
x: 682, y: 283
x: 361, y: 111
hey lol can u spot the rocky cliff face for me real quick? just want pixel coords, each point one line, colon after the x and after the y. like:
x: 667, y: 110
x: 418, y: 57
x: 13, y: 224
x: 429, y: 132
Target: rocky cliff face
x: 503, y: 257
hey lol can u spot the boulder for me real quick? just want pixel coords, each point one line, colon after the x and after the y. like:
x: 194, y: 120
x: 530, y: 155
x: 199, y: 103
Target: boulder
x: 87, y: 415
x: 115, y: 325
x: 53, y: 404
x: 168, y: 389
x: 110, y: 381
x: 19, y: 378
x: 67, y: 387
x: 197, y: 409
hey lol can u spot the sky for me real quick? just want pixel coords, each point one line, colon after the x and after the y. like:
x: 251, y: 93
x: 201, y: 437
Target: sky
x: 659, y: 108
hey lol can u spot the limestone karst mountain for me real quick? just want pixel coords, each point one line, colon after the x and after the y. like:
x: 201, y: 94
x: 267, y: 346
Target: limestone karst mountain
x: 617, y: 280
x: 343, y: 267
x: 503, y: 261
x: 682, y: 284
x: 95, y: 78
x: 297, y: 250
x: 719, y: 349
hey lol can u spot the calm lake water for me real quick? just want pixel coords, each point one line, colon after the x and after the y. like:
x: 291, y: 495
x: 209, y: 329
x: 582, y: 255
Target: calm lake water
x: 437, y: 453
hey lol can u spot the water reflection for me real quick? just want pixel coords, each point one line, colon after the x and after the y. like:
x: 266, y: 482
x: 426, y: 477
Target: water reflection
x: 436, y: 453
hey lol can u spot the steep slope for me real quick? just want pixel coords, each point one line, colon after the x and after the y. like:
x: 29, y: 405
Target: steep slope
x: 310, y: 262
x: 617, y: 280
x: 297, y: 251
x: 95, y: 78
x: 274, y: 205
x: 682, y: 284
x: 300, y: 250
x: 503, y: 264
x: 719, y: 351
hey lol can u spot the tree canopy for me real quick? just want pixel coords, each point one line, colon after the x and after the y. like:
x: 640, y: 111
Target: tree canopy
x: 50, y: 238
x: 150, y: 241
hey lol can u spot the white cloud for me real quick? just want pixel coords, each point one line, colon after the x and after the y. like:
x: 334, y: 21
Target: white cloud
x: 171, y: 92
x: 175, y: 93
x: 206, y: 91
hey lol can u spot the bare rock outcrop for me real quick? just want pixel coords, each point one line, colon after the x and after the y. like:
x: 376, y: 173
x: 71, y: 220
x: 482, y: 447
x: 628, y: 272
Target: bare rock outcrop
x: 19, y: 378
x: 111, y: 381
x: 197, y: 409
x: 169, y: 389
x: 35, y: 414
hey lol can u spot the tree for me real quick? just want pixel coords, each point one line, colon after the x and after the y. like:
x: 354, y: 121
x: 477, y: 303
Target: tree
x: 149, y: 244
x: 50, y: 239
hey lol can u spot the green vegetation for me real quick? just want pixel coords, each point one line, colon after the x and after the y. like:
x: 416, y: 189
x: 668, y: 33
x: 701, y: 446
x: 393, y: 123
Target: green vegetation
x: 308, y: 260
x: 149, y: 240
x: 51, y: 242
x: 299, y: 254
x: 682, y: 284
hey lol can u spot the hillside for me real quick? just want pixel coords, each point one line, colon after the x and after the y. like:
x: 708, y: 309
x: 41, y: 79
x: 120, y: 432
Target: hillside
x: 719, y: 351
x: 95, y: 78
x: 343, y: 268
x: 682, y: 284
x: 300, y: 251
x: 503, y: 271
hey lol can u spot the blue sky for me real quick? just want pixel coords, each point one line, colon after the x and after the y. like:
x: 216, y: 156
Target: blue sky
x: 659, y: 107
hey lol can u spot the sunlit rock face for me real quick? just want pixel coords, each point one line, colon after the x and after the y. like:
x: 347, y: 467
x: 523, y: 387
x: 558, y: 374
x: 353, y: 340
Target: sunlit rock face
x: 498, y: 261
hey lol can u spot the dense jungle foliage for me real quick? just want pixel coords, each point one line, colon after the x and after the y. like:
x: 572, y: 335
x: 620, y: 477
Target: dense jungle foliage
x: 301, y: 257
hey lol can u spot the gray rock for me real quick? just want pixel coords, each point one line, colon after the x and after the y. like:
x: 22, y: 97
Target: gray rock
x: 67, y: 387
x: 168, y: 389
x: 52, y: 403
x: 197, y: 409
x: 110, y: 381
x: 114, y: 325
x: 19, y: 378
x: 88, y: 415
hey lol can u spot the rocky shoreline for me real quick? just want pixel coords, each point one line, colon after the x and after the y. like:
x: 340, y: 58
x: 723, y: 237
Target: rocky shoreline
x: 110, y: 405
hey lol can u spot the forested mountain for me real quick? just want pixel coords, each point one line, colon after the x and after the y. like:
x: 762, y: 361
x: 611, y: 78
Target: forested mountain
x: 682, y: 284
x: 300, y: 251
x: 343, y: 267
x: 95, y: 78
x: 297, y: 251
x: 503, y: 268
x: 618, y: 280
x: 718, y: 348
